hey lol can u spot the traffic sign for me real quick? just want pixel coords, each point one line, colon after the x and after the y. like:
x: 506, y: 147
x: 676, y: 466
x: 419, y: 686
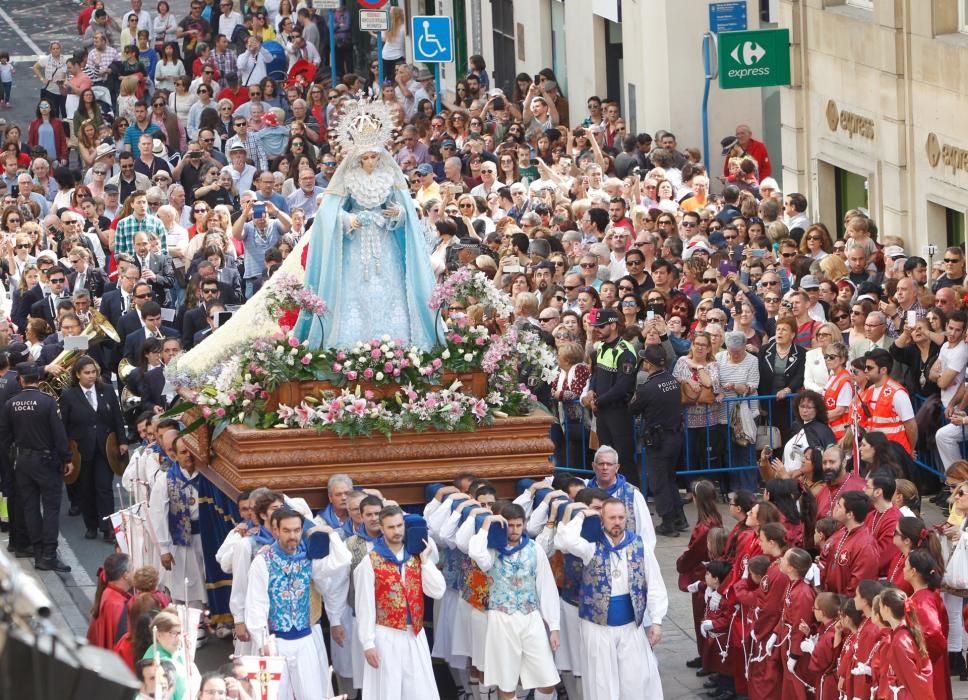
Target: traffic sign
x: 433, y: 39
x: 727, y: 16
x: 374, y: 20
x: 754, y: 59
x: 372, y: 4
x: 327, y: 4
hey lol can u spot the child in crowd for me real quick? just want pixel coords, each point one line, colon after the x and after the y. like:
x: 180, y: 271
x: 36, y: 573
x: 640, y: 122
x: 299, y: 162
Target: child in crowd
x: 6, y: 79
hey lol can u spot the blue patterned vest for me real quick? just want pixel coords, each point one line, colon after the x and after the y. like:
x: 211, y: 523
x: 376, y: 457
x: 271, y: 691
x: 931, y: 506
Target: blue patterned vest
x: 624, y: 492
x: 512, y: 582
x: 596, y: 583
x: 571, y: 582
x: 450, y: 567
x: 290, y: 581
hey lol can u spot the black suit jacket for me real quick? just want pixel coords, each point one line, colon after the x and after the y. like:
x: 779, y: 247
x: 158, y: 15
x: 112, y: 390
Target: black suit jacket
x: 90, y: 428
x: 201, y: 335
x: 129, y: 322
x: 193, y: 321
x: 111, y: 306
x: 164, y: 279
x: 41, y: 309
x: 230, y: 285
x: 152, y: 389
x: 133, y: 342
x: 95, y: 281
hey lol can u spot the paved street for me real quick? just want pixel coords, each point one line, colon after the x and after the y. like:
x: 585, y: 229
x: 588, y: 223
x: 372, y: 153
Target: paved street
x: 73, y: 594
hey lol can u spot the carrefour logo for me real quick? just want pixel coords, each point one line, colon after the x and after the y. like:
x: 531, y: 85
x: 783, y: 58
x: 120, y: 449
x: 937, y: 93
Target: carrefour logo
x: 748, y: 53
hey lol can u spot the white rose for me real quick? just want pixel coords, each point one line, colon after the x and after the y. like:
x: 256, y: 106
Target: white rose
x: 379, y: 376
x: 468, y: 357
x: 445, y: 355
x: 385, y: 348
x: 348, y: 363
x: 385, y: 339
x: 246, y: 402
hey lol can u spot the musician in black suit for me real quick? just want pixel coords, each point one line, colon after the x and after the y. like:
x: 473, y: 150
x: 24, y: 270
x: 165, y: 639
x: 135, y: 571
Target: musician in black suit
x: 213, y: 311
x: 91, y: 412
x: 229, y: 293
x: 117, y: 301
x: 131, y: 320
x: 196, y: 319
x: 151, y: 317
x: 85, y: 275
x: 46, y: 306
x: 156, y: 268
x: 147, y: 380
x: 70, y: 327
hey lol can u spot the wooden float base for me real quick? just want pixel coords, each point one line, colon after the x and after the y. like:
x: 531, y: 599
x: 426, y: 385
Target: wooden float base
x: 300, y: 461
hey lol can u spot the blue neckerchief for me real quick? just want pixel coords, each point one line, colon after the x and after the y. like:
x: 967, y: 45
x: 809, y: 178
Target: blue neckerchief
x: 611, y: 490
x: 508, y: 551
x: 329, y: 517
x: 381, y: 547
x: 362, y: 534
x: 627, y: 539
x: 263, y: 536
x: 300, y: 554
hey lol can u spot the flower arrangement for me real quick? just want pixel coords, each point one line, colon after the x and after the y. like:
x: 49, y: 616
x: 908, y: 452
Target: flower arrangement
x: 238, y: 387
x: 466, y: 285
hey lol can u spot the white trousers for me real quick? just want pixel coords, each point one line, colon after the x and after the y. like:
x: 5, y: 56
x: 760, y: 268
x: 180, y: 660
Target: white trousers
x: 343, y: 655
x: 189, y: 563
x: 618, y: 663
x: 461, y: 641
x: 517, y: 647
x: 478, y: 637
x: 949, y: 439
x: 405, y: 671
x: 956, y: 629
x: 307, y: 668
x: 568, y: 656
x: 445, y: 618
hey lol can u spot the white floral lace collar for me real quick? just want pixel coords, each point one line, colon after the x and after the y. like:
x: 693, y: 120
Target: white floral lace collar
x: 369, y: 191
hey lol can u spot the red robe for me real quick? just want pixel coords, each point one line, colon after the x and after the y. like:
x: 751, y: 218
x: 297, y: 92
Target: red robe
x: 104, y: 629
x: 797, y: 608
x: 879, y: 689
x: 739, y: 642
x: 822, y: 664
x: 846, y: 662
x: 742, y: 542
x: 766, y: 675
x: 906, y: 669
x: 882, y: 527
x: 690, y: 567
x: 869, y: 640
x: 848, y: 560
x: 933, y: 617
x: 828, y: 495
x: 715, y: 653
x: 895, y: 573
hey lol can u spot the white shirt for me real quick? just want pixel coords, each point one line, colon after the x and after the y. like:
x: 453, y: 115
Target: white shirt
x: 955, y: 358
x: 901, y: 402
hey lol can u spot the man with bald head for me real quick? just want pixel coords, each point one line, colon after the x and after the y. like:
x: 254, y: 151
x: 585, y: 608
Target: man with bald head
x: 753, y: 148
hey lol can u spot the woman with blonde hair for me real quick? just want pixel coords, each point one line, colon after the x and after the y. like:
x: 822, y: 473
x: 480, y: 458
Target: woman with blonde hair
x: 394, y: 43
x: 698, y: 376
x: 127, y: 96
x: 777, y: 231
x: 815, y: 372
x: 833, y: 267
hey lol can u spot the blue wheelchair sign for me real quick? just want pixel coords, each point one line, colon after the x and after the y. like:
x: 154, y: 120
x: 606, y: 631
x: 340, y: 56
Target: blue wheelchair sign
x: 433, y: 39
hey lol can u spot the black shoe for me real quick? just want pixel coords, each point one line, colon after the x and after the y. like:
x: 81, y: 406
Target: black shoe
x: 23, y: 553
x: 694, y: 663
x: 710, y: 683
x: 702, y: 673
x: 956, y: 663
x: 74, y: 510
x: 681, y: 524
x: 666, y: 529
x: 90, y: 534
x: 52, y: 564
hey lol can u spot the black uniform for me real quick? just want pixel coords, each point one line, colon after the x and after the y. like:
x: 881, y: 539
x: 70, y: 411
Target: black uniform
x: 613, y: 381
x: 659, y: 402
x: 31, y: 421
x: 19, y: 541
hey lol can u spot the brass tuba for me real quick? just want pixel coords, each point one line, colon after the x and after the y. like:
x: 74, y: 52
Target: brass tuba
x: 96, y: 331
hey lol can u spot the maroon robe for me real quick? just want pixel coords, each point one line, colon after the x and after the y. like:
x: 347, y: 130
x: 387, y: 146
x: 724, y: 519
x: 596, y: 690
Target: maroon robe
x: 822, y: 664
x: 848, y: 654
x: 797, y: 608
x: 828, y: 495
x: 907, y: 669
x: 766, y: 675
x: 933, y: 617
x: 882, y: 527
x: 715, y: 653
x: 895, y: 573
x: 691, y: 568
x: 870, y: 638
x: 105, y: 629
x: 848, y: 560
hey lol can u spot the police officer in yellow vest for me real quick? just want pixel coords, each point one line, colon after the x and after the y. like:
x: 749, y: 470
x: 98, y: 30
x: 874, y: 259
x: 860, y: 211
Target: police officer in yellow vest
x: 610, y: 388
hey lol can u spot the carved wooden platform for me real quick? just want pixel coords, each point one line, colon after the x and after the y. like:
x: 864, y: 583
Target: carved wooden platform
x: 299, y: 461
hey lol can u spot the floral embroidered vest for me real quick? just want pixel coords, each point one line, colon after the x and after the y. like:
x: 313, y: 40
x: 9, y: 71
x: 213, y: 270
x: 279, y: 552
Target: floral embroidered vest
x: 626, y: 494
x: 358, y: 550
x: 475, y: 588
x: 398, y: 603
x: 596, y: 584
x: 512, y: 582
x: 450, y: 567
x: 290, y: 583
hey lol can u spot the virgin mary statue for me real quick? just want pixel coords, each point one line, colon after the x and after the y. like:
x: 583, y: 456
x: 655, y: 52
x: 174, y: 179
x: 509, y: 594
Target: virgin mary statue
x: 368, y: 257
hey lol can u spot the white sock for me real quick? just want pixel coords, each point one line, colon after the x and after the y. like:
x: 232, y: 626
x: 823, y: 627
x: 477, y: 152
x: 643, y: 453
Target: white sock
x: 538, y: 695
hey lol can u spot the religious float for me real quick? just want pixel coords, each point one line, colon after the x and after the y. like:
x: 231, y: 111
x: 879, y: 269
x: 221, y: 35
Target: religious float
x: 347, y: 361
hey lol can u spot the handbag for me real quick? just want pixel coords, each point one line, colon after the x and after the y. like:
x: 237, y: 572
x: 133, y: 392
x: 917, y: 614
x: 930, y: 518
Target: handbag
x: 955, y: 579
x: 742, y: 424
x: 691, y: 397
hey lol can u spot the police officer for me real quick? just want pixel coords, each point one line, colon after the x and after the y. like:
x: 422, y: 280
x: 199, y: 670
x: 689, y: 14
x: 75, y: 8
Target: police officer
x: 611, y: 385
x: 659, y: 402
x: 31, y: 421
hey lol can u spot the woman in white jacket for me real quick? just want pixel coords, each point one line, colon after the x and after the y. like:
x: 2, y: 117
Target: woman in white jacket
x: 815, y: 372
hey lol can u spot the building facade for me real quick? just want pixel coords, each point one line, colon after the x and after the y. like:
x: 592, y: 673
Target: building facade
x: 875, y: 114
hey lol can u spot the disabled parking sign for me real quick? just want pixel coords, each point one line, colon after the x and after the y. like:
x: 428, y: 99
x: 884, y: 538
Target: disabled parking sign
x: 433, y: 39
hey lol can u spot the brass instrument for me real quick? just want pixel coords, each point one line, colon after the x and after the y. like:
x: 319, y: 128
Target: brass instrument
x: 96, y: 331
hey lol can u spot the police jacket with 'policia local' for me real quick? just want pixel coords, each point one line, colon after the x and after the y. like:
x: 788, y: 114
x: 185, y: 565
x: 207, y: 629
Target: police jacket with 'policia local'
x: 613, y: 374
x: 659, y: 400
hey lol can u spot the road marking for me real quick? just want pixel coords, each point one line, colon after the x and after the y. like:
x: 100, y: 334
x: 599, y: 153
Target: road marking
x: 29, y: 58
x: 78, y: 572
x: 20, y: 32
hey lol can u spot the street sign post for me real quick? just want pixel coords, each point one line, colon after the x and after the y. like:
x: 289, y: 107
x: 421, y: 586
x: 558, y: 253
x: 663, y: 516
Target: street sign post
x: 727, y: 16
x: 754, y: 59
x: 433, y: 42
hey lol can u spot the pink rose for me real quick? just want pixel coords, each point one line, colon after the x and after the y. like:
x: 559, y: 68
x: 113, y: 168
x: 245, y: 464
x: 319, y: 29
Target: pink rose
x: 368, y: 373
x: 368, y: 395
x: 374, y: 343
x: 404, y: 363
x: 396, y: 373
x: 388, y: 367
x: 220, y: 412
x: 341, y: 356
x: 337, y: 367
x: 376, y: 353
x: 306, y: 359
x: 437, y: 363
x: 398, y: 353
x: 207, y: 412
x: 481, y: 340
x: 293, y: 342
x: 232, y: 396
x: 351, y: 375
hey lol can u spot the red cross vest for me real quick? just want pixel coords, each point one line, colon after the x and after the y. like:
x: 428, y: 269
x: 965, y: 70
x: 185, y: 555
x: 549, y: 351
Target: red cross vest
x: 830, y: 394
x: 883, y: 418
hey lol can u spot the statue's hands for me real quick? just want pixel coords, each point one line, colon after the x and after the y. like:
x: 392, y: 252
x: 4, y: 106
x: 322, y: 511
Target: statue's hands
x: 391, y: 212
x: 355, y: 222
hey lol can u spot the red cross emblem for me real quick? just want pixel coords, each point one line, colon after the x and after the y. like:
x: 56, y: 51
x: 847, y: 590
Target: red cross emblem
x: 263, y: 676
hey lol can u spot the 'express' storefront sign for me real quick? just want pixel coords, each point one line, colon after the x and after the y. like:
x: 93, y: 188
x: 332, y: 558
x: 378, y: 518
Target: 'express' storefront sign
x: 952, y: 156
x: 852, y: 123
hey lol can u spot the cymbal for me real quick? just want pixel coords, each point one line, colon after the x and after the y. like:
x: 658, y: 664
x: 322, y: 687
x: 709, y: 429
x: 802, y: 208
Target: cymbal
x: 117, y: 461
x: 76, y: 458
